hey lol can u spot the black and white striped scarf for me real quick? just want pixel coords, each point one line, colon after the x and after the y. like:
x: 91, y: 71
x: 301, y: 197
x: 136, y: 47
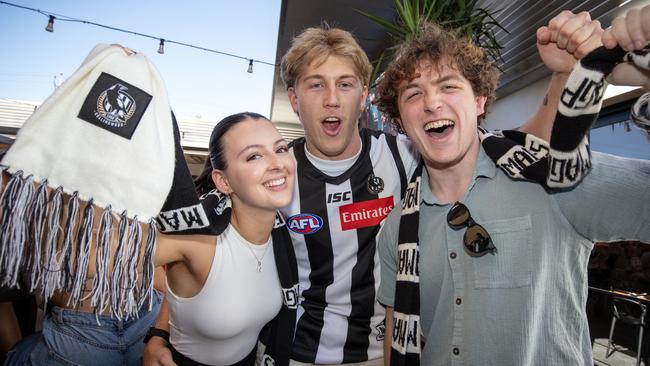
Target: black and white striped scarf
x: 560, y: 164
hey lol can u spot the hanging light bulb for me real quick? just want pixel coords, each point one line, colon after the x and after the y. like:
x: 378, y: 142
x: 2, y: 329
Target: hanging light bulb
x: 250, y: 66
x: 161, y: 47
x: 50, y: 24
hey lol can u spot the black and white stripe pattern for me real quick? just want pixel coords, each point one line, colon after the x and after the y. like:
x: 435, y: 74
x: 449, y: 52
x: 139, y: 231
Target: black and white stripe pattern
x: 339, y: 318
x: 567, y: 159
x: 407, y: 332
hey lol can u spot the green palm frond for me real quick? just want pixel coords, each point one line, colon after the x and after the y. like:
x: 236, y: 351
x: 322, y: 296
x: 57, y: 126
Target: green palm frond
x: 465, y: 16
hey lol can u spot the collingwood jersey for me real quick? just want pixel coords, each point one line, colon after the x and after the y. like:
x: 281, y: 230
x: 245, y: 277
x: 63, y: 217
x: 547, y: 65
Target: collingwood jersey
x: 334, y: 222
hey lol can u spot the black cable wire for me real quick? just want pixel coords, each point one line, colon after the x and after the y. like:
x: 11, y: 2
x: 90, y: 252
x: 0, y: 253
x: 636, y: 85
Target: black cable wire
x: 66, y: 18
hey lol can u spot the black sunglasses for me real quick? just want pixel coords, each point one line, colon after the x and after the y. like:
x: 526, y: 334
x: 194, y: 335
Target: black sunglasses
x: 476, y: 240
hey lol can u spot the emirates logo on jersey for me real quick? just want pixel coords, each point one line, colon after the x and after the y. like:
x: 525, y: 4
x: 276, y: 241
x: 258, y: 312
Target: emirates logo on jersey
x: 305, y: 223
x: 366, y: 213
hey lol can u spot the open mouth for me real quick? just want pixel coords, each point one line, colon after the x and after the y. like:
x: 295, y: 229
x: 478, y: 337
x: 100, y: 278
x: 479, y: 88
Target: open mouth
x: 331, y: 125
x: 274, y: 183
x: 440, y: 128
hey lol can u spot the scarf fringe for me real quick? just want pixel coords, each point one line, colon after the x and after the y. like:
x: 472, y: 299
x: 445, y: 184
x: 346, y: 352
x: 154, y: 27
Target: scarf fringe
x: 68, y: 260
x: 101, y: 289
x: 20, y: 225
x: 146, y: 287
x: 32, y: 221
x: 38, y: 221
x: 7, y: 201
x: 15, y: 233
x: 52, y: 271
x: 130, y: 281
x: 83, y: 253
x: 118, y: 269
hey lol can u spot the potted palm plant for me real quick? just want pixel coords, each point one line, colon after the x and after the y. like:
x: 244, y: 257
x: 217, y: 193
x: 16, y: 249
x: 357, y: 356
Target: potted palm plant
x: 465, y: 16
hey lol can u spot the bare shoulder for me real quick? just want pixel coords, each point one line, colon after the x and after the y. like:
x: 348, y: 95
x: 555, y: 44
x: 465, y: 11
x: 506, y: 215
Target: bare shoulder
x: 187, y: 276
x: 184, y: 248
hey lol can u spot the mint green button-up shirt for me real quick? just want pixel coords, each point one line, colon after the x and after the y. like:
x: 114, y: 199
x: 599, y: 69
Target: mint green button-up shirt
x: 524, y: 305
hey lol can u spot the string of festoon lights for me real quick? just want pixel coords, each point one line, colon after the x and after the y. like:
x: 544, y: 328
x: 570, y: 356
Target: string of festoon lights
x: 52, y: 17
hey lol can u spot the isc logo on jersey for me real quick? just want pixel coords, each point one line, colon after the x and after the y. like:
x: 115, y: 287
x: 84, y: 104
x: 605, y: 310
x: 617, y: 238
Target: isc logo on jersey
x: 305, y: 223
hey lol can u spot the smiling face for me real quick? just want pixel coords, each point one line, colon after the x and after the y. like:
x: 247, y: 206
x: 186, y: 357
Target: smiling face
x: 329, y: 97
x: 439, y: 112
x: 259, y: 169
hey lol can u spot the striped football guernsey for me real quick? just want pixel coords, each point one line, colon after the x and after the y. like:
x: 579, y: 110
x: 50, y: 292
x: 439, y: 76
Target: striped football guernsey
x: 333, y: 223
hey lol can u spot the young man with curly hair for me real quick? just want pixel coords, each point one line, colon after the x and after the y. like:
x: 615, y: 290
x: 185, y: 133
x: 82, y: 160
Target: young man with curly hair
x: 478, y: 269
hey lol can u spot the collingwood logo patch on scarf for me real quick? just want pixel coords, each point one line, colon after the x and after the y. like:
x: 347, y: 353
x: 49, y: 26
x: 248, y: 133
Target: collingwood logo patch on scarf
x: 114, y: 105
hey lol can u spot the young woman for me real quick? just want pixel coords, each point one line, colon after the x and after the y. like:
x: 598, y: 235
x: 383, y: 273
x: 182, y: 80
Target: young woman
x: 222, y: 291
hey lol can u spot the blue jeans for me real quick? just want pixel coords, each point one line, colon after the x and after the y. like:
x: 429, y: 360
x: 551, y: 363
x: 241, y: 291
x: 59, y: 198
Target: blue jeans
x: 74, y: 338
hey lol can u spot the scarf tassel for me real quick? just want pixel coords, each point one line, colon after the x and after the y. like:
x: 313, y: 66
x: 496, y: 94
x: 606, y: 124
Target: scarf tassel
x: 33, y: 219
x: 146, y: 288
x: 68, y: 261
x: 84, y: 237
x: 130, y: 281
x: 101, y: 286
x: 51, y: 276
x: 116, y: 277
x: 38, y: 220
x: 8, y: 201
x: 13, y: 227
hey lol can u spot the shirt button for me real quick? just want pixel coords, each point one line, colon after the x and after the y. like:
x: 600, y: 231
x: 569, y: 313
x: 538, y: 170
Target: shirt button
x: 456, y: 351
x: 452, y: 255
x: 459, y: 301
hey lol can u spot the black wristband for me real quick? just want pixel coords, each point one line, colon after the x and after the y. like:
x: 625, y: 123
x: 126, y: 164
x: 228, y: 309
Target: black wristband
x: 156, y: 332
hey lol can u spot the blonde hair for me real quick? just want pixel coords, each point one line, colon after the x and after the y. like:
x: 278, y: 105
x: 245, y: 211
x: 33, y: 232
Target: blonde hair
x: 318, y: 44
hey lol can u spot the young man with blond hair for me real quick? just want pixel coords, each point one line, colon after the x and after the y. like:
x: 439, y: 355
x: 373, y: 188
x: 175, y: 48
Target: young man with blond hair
x: 348, y: 181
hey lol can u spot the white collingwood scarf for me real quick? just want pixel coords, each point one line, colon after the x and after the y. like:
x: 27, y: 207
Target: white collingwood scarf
x: 97, y: 162
x: 104, y: 140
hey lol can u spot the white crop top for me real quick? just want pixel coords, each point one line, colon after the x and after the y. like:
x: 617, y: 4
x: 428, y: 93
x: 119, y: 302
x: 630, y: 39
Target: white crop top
x: 220, y: 325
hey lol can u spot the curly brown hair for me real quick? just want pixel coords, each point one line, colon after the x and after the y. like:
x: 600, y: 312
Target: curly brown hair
x: 317, y: 44
x: 437, y: 45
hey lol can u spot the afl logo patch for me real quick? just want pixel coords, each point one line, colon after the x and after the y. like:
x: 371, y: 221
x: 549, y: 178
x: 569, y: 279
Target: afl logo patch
x: 375, y: 184
x: 305, y: 223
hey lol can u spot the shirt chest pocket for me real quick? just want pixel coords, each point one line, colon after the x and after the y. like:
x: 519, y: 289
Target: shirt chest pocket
x: 511, y: 266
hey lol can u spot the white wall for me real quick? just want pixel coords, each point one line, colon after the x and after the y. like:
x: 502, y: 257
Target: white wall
x: 513, y: 110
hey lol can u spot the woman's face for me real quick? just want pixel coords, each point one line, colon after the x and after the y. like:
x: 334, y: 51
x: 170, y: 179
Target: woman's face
x: 259, y: 168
